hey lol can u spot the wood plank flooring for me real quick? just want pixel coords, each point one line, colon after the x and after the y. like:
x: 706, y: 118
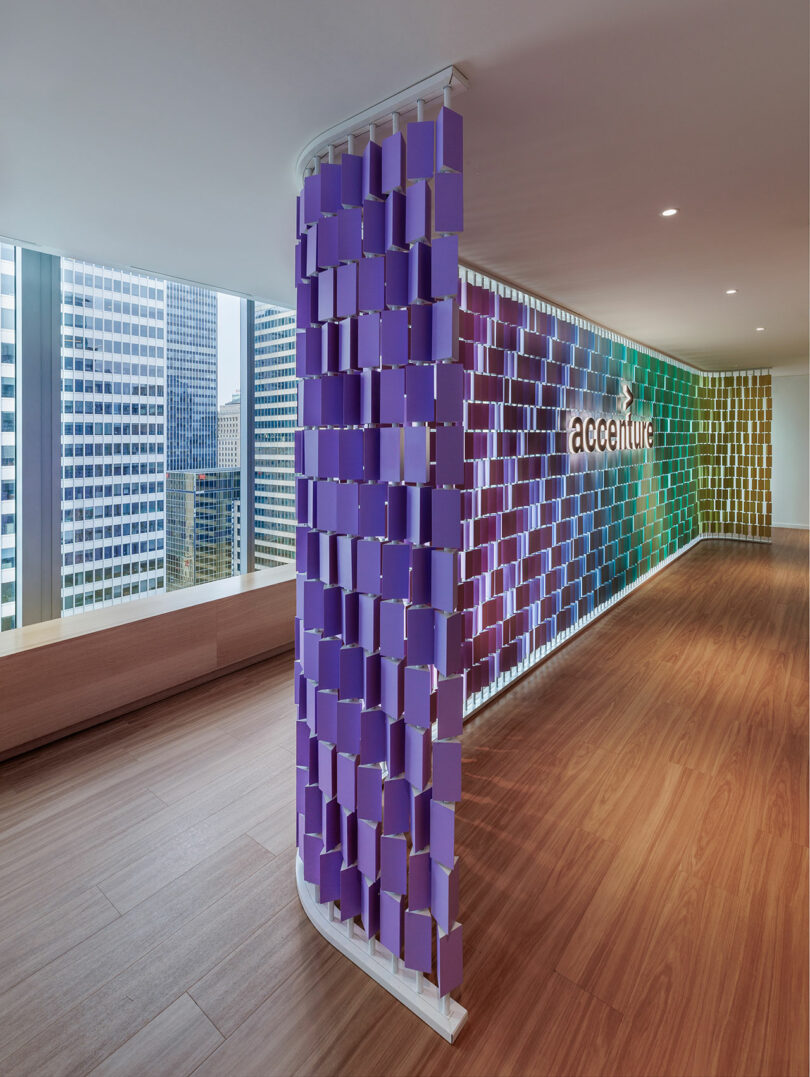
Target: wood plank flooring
x: 634, y: 859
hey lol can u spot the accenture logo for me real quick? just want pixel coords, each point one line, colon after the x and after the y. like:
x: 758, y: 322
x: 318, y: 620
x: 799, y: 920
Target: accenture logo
x: 590, y: 433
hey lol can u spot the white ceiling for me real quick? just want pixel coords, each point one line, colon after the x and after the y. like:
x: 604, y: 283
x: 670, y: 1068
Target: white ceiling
x: 163, y: 134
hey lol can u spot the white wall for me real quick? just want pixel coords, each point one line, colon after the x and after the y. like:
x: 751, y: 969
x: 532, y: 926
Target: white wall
x: 790, y: 480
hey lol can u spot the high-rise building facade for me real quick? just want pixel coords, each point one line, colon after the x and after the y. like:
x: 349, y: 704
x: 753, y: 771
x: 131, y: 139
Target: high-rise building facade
x: 8, y: 435
x: 113, y: 435
x: 229, y: 432
x: 275, y: 419
x: 201, y: 525
x: 191, y: 377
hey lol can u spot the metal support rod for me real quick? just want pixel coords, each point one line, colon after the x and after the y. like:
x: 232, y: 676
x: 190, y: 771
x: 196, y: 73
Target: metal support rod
x: 420, y: 109
x: 394, y: 122
x: 446, y: 92
x: 350, y: 146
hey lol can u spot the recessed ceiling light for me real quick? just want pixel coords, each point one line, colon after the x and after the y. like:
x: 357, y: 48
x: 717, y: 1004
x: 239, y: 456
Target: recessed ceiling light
x: 760, y: 328
x: 731, y: 291
x: 668, y: 212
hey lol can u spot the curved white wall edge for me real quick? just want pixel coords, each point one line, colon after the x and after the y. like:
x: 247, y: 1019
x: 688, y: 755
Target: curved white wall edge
x: 428, y: 90
x: 444, y: 1016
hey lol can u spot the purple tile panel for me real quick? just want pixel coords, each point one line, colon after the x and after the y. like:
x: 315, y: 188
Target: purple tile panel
x: 383, y: 475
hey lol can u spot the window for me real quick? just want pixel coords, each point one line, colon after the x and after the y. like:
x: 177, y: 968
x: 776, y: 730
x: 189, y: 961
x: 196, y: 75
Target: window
x: 8, y: 425
x: 151, y: 474
x: 276, y: 416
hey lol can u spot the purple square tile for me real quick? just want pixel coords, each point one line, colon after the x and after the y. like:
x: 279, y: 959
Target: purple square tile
x: 444, y: 338
x: 347, y: 344
x: 351, y: 672
x: 391, y: 449
x: 348, y: 835
x: 392, y: 391
x: 448, y: 202
x: 313, y: 847
x: 419, y: 273
x: 394, y: 864
x: 417, y: 212
x: 369, y: 553
x: 450, y: 455
x: 327, y: 231
x: 373, y: 227
x: 418, y: 940
x: 421, y: 393
x: 420, y: 635
x: 448, y: 639
x: 329, y: 871
x: 446, y: 518
x: 330, y: 187
x: 394, y: 338
x: 395, y: 747
x: 349, y: 893
x: 396, y: 568
x: 347, y: 781
x: 351, y: 179
x: 449, y: 141
x: 372, y: 735
x: 417, y: 454
x: 443, y: 580
x: 392, y: 918
x: 372, y: 510
x: 420, y: 577
x: 419, y: 880
x: 312, y: 198
x: 449, y: 391
x: 420, y: 149
x: 371, y: 284
x: 392, y: 630
x: 396, y: 281
x: 449, y: 960
x: 372, y: 171
x: 444, y: 266
x: 450, y: 706
x: 368, y: 846
x: 370, y: 906
x: 393, y: 162
x: 369, y: 793
x: 369, y: 622
x: 368, y: 341
x: 347, y: 290
x: 421, y: 333
x: 396, y: 807
x: 444, y: 894
x: 348, y: 726
x: 442, y: 833
x: 419, y: 698
x: 395, y: 221
x: 420, y: 818
x: 391, y: 687
x: 417, y: 756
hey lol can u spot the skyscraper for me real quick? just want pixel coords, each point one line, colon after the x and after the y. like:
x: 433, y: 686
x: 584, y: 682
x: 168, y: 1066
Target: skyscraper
x: 229, y: 432
x: 275, y: 419
x: 113, y: 435
x: 8, y: 426
x: 201, y: 526
x: 191, y: 377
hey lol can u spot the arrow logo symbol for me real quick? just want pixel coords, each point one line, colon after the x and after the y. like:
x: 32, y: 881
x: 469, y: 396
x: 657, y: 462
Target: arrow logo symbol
x: 628, y: 397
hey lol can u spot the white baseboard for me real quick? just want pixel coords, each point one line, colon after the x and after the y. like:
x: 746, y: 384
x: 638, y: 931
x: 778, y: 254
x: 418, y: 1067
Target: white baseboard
x: 793, y: 527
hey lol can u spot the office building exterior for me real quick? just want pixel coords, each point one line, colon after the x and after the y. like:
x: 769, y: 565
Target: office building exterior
x: 201, y: 526
x: 229, y: 433
x: 8, y: 417
x: 275, y: 421
x: 113, y: 435
x: 191, y: 377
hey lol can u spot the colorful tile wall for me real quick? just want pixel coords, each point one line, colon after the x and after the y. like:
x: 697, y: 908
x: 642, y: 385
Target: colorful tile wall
x: 380, y: 463
x: 450, y: 530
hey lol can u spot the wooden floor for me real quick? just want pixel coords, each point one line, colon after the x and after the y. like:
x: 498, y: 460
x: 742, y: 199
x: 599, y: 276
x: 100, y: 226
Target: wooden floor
x: 634, y: 862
